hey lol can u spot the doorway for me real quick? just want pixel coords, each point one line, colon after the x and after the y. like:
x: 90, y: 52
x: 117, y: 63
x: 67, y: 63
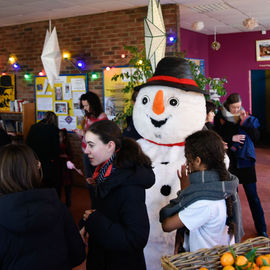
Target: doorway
x: 260, y: 96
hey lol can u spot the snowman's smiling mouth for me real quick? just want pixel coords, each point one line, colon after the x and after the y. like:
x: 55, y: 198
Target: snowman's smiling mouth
x: 158, y: 124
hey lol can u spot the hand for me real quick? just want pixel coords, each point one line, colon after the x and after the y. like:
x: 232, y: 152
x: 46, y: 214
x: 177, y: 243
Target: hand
x: 78, y: 131
x: 243, y: 114
x: 90, y: 180
x: 84, y: 235
x: 87, y: 213
x: 179, y: 240
x: 239, y: 138
x: 184, y: 179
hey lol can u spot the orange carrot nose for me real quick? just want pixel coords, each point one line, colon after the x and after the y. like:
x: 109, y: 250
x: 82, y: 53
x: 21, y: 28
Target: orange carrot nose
x: 158, y: 105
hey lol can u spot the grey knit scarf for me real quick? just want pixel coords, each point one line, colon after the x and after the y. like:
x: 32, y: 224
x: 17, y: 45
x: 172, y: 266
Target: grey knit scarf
x: 206, y: 185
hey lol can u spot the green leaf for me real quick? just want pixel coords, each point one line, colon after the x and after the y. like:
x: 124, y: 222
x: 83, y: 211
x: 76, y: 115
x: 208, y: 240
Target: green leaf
x: 232, y: 251
x: 265, y: 263
x: 251, y: 255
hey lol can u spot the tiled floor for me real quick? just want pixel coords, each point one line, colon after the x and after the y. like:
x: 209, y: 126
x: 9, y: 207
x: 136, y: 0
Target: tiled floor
x: 80, y: 196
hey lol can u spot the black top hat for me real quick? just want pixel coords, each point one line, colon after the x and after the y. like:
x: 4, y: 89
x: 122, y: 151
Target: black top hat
x: 174, y: 72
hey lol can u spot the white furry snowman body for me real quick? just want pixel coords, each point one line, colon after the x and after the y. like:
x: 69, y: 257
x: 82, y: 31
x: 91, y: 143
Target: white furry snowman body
x: 164, y: 117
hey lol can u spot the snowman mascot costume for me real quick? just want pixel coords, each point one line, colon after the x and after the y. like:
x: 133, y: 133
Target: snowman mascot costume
x: 168, y: 108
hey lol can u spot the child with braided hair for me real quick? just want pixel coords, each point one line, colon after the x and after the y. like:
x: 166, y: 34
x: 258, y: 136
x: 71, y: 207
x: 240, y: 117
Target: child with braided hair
x: 208, y: 204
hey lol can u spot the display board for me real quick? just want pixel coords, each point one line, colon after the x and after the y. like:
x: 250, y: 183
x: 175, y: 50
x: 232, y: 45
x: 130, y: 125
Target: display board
x: 114, y: 97
x: 63, y: 99
x: 7, y: 91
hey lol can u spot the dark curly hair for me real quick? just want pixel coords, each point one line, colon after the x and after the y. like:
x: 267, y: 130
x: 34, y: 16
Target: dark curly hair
x: 208, y: 145
x: 94, y: 103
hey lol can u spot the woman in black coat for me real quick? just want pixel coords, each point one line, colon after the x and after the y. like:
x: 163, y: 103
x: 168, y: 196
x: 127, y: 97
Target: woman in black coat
x: 36, y: 229
x: 43, y: 138
x: 240, y: 132
x: 118, y: 227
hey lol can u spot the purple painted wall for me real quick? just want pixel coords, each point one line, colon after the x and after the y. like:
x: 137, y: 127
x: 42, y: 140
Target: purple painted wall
x: 196, y: 46
x: 234, y: 60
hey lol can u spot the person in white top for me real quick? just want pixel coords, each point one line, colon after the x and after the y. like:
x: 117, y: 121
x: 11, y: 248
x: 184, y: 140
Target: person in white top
x: 205, y: 202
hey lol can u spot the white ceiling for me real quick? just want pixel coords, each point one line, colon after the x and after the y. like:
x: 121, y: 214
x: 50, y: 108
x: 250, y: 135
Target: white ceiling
x: 227, y: 16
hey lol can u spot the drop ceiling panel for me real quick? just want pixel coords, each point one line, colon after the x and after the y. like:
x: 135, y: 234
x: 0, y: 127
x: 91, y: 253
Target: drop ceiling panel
x: 227, y: 15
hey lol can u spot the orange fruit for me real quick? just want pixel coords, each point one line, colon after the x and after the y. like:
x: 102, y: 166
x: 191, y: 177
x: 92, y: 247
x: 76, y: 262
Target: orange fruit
x: 228, y: 267
x: 265, y: 268
x: 251, y: 266
x: 227, y: 259
x: 241, y: 261
x: 259, y: 260
x: 203, y: 268
x: 267, y: 255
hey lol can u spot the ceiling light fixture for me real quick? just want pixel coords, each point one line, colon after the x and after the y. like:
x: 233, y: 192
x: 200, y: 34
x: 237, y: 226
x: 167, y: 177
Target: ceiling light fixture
x: 215, y: 45
x: 198, y: 26
x: 250, y: 23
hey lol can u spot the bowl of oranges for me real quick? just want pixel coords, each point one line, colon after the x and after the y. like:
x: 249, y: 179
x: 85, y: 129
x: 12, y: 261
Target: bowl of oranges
x: 252, y: 254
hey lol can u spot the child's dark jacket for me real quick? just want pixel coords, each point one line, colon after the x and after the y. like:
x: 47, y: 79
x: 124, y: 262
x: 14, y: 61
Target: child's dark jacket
x: 38, y: 232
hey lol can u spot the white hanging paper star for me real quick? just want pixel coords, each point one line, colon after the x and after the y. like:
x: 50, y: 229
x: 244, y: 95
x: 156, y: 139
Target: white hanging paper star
x: 154, y: 33
x: 51, y: 56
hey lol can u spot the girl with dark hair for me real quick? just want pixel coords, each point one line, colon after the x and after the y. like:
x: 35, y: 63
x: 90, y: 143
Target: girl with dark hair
x: 240, y: 131
x: 36, y: 229
x: 210, y: 114
x: 207, y: 193
x: 91, y: 105
x: 118, y: 226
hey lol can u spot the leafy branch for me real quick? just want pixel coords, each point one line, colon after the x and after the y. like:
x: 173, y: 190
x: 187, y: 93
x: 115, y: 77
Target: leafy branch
x: 142, y: 71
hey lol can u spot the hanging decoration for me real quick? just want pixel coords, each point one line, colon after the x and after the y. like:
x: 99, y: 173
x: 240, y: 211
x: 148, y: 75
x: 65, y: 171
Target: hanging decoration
x: 215, y: 45
x: 250, y: 23
x: 198, y: 26
x: 51, y: 55
x: 12, y: 59
x: 171, y: 39
x: 154, y: 33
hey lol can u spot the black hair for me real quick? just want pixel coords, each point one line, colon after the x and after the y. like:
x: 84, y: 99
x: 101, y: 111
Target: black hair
x: 209, y: 146
x: 128, y: 151
x: 134, y: 96
x: 231, y: 99
x: 50, y: 118
x: 210, y: 106
x: 94, y: 103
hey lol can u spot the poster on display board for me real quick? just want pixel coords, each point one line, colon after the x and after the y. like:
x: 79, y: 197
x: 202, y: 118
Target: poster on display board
x: 63, y: 99
x: 7, y: 91
x: 114, y: 98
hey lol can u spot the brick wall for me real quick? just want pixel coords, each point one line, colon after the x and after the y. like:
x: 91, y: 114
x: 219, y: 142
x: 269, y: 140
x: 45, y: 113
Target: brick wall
x: 98, y: 39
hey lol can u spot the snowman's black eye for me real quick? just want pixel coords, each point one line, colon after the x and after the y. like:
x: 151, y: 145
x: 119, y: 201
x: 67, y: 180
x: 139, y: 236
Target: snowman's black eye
x: 174, y: 101
x: 145, y: 100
